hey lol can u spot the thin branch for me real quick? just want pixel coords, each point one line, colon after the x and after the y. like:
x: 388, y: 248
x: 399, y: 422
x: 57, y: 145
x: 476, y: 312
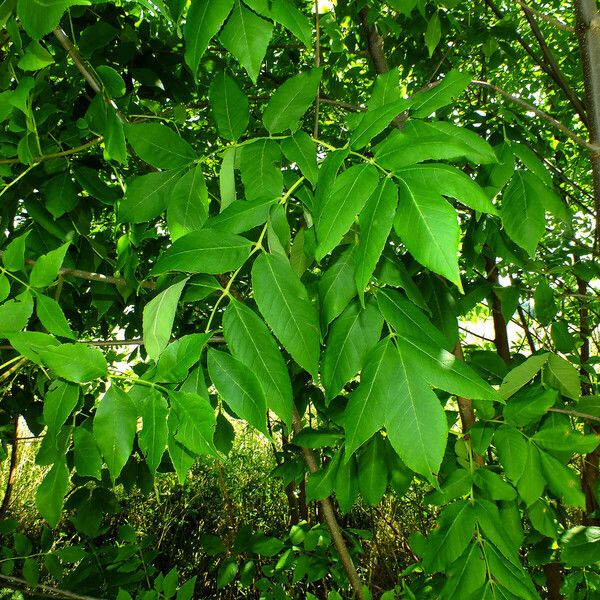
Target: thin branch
x: 374, y: 43
x: 593, y: 148
x: 4, y: 376
x: 330, y: 518
x: 216, y: 339
x: 558, y: 74
x: 538, y: 60
x: 43, y: 157
x: 574, y: 413
x: 16, y: 583
x: 94, y: 82
x: 317, y: 65
x: 544, y: 17
x: 89, y: 276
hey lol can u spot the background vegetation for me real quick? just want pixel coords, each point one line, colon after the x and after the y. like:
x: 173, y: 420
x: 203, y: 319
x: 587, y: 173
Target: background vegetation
x: 299, y: 299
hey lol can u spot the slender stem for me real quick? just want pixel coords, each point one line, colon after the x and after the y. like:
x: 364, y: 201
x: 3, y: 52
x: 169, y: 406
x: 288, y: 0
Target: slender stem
x: 591, y: 146
x: 17, y: 178
x: 544, y: 17
x: 43, y: 157
x: 330, y: 518
x: 19, y: 584
x: 575, y: 413
x: 89, y: 276
x: 551, y: 61
x: 317, y: 65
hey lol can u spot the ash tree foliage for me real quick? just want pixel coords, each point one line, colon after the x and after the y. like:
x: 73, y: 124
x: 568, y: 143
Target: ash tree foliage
x: 299, y: 215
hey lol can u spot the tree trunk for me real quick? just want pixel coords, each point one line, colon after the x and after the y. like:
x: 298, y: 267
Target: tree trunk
x: 588, y: 33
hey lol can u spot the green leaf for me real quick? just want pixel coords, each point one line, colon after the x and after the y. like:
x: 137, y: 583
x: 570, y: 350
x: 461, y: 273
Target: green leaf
x: 545, y: 307
x: 531, y: 484
x: 154, y: 434
x: 300, y: 149
x: 475, y: 148
x: 564, y: 439
x: 36, y: 57
x: 203, y: 21
x: 115, y: 425
x: 448, y: 181
x: 523, y: 212
x: 195, y: 423
x: 247, y: 36
x: 373, y: 471
x: 227, y: 176
x: 428, y: 225
x: 227, y: 572
x: 336, y: 287
x: 562, y: 338
x: 241, y: 215
x: 229, y: 106
x: 290, y: 101
x: 261, y: 175
x: 159, y: 146
x: 443, y: 370
x: 490, y: 523
x: 408, y: 320
x: 4, y: 287
x: 251, y: 342
x: 112, y: 81
x: 29, y: 343
x: 283, y: 301
x: 345, y: 484
x: 187, y: 208
x: 179, y: 356
x: 375, y: 222
x: 433, y: 33
x: 543, y: 518
x: 428, y: 101
x: 351, y: 338
x: 61, y: 195
x: 13, y: 257
x: 14, y: 315
x: 285, y: 13
x: 59, y: 402
x: 523, y: 374
x: 562, y: 481
x: 180, y: 456
x: 529, y: 405
x: 115, y: 147
x: 580, y: 546
x: 238, y: 385
x: 204, y: 251
x: 368, y: 405
x: 386, y: 89
x: 50, y: 494
x: 75, y: 362
x: 88, y: 462
x: 46, y: 267
x: 563, y: 376
x: 158, y: 318
x: 349, y: 194
x: 375, y: 120
x: 512, y: 449
x: 415, y: 144
x: 52, y: 317
x: 327, y: 173
x: 40, y: 17
x: 466, y: 576
x: 456, y: 525
x: 416, y: 422
x: 147, y: 196
x: 493, y: 485
x: 510, y: 575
